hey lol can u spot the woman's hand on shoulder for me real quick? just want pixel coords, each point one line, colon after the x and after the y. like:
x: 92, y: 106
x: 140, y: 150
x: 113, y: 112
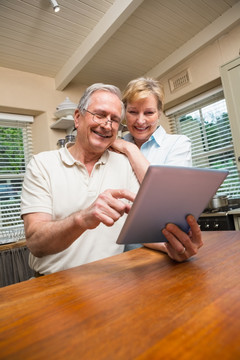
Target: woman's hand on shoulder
x: 122, y: 146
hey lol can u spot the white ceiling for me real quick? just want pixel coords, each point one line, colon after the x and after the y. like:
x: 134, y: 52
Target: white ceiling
x: 110, y: 41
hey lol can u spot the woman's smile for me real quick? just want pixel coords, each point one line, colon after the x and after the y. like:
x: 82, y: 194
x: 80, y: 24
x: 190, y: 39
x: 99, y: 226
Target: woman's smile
x: 142, y: 118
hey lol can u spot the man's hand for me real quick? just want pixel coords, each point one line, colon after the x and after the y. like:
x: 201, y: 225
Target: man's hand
x: 107, y: 208
x: 46, y: 236
x: 180, y: 246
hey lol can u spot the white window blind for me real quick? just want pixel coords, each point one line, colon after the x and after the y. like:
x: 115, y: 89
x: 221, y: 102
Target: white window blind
x: 207, y: 125
x: 15, y: 152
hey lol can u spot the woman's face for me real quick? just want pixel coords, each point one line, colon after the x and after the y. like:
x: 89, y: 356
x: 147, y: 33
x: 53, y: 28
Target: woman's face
x: 142, y: 118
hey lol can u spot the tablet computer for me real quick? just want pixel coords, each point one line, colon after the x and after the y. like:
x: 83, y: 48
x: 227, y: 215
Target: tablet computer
x: 168, y: 194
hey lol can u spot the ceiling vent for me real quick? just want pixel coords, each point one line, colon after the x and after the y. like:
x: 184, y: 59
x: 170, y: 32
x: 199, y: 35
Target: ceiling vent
x: 179, y: 81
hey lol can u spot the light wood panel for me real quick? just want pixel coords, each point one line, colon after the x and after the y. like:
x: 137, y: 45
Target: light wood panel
x: 35, y: 39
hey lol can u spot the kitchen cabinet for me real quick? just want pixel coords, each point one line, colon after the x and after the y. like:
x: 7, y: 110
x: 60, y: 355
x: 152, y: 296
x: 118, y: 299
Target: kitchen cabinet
x: 237, y: 222
x: 230, y: 74
x: 236, y: 218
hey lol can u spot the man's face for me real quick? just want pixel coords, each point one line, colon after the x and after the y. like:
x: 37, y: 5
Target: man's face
x: 94, y: 137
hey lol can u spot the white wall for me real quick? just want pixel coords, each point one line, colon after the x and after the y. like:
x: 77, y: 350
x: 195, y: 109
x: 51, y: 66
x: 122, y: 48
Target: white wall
x: 30, y: 94
x: 204, y: 67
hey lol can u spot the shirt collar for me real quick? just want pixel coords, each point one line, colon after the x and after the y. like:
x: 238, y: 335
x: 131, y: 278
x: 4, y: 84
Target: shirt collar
x: 158, y: 135
x: 69, y: 160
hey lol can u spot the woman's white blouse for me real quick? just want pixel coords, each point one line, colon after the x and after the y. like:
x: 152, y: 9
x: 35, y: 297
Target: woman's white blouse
x: 166, y: 149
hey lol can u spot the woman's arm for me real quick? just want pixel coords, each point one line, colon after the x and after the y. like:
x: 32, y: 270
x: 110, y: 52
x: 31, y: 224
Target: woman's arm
x: 137, y: 160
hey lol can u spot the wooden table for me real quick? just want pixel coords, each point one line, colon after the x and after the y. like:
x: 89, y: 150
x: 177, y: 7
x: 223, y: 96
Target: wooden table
x: 137, y: 305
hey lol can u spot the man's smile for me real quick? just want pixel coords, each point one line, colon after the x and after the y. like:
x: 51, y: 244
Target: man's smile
x: 102, y: 135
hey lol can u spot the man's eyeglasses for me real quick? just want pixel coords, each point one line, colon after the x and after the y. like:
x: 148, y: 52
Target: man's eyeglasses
x: 102, y: 119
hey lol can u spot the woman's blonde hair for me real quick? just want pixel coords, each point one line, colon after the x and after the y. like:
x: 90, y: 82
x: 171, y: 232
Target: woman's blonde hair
x: 141, y: 88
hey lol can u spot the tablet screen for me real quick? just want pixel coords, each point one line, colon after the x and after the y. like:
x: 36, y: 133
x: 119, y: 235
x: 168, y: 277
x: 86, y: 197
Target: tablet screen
x: 168, y: 194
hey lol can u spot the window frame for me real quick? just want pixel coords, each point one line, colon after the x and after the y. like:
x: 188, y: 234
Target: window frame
x: 10, y: 204
x: 199, y: 104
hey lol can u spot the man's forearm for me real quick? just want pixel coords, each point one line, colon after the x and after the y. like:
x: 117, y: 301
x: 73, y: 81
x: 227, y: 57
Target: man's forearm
x: 45, y: 236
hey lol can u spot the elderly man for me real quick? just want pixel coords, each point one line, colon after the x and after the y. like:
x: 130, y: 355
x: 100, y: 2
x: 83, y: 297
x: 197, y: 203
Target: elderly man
x: 76, y: 199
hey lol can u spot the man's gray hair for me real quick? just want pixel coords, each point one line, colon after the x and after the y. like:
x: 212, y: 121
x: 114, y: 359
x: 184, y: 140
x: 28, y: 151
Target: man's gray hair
x: 85, y: 100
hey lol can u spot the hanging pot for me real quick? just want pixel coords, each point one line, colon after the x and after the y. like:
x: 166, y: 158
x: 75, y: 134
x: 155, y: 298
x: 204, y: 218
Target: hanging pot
x: 218, y: 202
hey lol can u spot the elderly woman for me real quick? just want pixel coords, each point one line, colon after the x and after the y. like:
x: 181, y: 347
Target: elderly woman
x: 148, y: 143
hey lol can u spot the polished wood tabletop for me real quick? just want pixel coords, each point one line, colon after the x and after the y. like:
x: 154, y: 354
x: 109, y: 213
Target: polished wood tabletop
x: 137, y: 305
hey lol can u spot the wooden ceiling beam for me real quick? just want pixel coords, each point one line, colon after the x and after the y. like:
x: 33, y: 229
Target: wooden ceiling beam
x: 110, y: 22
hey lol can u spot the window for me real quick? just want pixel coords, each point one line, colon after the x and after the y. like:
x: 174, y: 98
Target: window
x: 15, y: 152
x: 205, y: 121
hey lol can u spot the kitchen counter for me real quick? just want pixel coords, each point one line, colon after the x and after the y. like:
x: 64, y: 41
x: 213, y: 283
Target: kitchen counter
x: 137, y: 305
x: 212, y: 214
x: 13, y: 245
x: 234, y: 212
